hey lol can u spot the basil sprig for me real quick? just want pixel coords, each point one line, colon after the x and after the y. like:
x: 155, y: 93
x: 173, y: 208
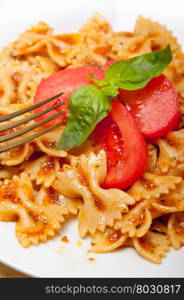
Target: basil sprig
x: 134, y: 73
x: 89, y: 104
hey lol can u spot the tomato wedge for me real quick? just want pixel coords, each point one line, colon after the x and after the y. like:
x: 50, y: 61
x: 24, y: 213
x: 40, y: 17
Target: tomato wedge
x: 65, y: 81
x: 125, y: 146
x: 155, y: 107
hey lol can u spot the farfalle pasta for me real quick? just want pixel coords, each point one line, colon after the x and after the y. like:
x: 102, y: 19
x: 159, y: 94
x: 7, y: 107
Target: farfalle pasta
x: 41, y: 186
x: 42, y: 170
x: 107, y: 241
x: 154, y: 244
x: 101, y: 207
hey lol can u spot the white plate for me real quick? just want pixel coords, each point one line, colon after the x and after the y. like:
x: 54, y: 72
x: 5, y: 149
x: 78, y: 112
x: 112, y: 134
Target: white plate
x: 56, y: 259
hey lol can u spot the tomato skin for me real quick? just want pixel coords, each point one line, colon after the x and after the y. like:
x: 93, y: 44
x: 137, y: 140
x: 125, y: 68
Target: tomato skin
x: 155, y: 107
x: 110, y: 62
x: 125, y: 147
x: 66, y: 80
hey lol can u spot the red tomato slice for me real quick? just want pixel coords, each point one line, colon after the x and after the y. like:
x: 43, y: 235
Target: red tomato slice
x: 155, y: 107
x: 126, y: 149
x: 65, y: 81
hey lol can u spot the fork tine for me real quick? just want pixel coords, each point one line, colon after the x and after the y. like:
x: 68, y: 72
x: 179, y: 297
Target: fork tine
x: 30, y: 138
x: 32, y: 117
x: 27, y: 109
x: 29, y: 128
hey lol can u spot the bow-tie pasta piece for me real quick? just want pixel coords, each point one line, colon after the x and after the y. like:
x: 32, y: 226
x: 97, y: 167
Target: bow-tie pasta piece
x: 50, y: 195
x: 167, y: 156
x: 27, y: 231
x: 42, y: 170
x: 56, y: 47
x: 137, y: 221
x: 11, y: 209
x: 148, y: 191
x: 16, y: 155
x: 171, y: 151
x: 21, y: 153
x: 46, y: 218
x: 82, y: 179
x: 93, y: 167
x: 21, y: 77
x: 153, y: 185
x: 154, y: 244
x: 47, y: 143
x: 172, y: 202
x: 7, y: 194
x: 38, y: 31
x: 44, y: 41
x: 176, y: 230
x: 107, y: 241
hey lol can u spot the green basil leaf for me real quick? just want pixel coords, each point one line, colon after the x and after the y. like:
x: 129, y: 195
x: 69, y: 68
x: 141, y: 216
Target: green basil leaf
x: 99, y: 83
x: 135, y: 73
x: 88, y: 105
x: 110, y: 90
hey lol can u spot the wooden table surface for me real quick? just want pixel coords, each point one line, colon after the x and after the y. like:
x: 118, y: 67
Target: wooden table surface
x: 6, y: 272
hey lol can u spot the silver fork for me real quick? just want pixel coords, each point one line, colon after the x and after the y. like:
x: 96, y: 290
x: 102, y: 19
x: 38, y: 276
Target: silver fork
x: 36, y: 125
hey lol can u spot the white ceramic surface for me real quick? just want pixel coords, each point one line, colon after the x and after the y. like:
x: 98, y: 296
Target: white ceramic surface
x: 57, y: 259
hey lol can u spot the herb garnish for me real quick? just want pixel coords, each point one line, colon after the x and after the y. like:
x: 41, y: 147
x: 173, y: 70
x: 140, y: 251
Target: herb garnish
x: 89, y: 104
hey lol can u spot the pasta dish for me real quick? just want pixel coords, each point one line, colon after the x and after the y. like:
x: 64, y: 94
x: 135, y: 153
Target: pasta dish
x: 119, y: 166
